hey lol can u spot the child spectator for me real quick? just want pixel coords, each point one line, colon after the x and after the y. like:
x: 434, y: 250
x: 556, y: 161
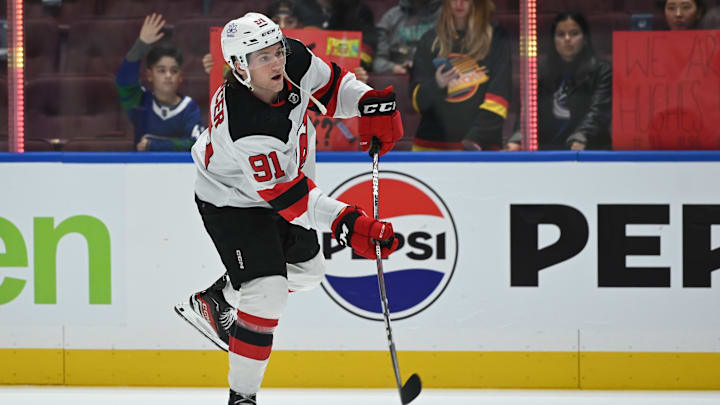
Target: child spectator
x: 574, y: 90
x: 399, y: 32
x: 163, y: 119
x: 462, y: 79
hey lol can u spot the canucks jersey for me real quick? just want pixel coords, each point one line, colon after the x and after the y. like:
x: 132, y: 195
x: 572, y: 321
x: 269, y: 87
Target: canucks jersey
x: 255, y: 154
x: 171, y: 128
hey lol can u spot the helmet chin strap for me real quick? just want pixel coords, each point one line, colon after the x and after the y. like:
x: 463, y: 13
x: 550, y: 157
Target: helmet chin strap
x: 317, y: 103
x: 245, y: 82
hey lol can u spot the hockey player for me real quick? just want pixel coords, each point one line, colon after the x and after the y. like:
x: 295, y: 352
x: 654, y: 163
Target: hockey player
x: 255, y: 192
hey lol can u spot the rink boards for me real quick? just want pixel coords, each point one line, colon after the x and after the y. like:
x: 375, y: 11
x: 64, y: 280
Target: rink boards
x: 559, y: 270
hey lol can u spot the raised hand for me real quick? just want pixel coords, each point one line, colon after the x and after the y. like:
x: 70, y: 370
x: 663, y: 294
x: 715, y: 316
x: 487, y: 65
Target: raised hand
x: 208, y: 63
x: 151, y: 28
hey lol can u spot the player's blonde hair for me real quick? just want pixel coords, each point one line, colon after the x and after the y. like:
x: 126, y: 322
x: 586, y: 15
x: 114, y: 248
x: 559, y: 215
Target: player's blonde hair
x: 478, y: 33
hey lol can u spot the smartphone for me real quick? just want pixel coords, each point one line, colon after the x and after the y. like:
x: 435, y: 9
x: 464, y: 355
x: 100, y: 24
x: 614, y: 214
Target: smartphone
x: 444, y: 62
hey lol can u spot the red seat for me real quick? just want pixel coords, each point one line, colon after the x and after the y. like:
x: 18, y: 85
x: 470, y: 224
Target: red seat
x: 171, y: 10
x: 231, y: 9
x: 192, y: 37
x: 640, y: 6
x: 198, y: 88
x: 507, y: 6
x: 380, y: 7
x: 3, y: 115
x: 603, y: 27
x: 41, y: 45
x: 510, y: 23
x: 64, y: 11
x: 588, y: 8
x: 97, y: 47
x: 76, y: 113
x: 31, y: 144
x: 128, y: 8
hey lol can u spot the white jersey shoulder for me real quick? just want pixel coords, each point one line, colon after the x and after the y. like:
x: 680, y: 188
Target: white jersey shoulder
x: 258, y: 155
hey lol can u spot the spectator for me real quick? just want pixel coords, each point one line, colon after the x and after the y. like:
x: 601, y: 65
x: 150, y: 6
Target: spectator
x: 163, y: 119
x: 462, y: 79
x: 283, y: 13
x: 399, y: 32
x: 684, y: 14
x: 344, y: 15
x: 574, y: 90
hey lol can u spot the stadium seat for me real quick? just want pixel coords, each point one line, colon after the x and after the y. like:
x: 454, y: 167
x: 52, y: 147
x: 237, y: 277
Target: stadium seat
x: 510, y: 23
x: 198, y: 88
x: 603, y: 27
x: 97, y: 47
x: 230, y: 9
x: 380, y: 7
x: 42, y: 47
x: 76, y: 113
x: 63, y: 11
x: 3, y: 115
x: 192, y: 37
x: 588, y: 8
x: 640, y: 6
x: 172, y: 10
x: 507, y: 6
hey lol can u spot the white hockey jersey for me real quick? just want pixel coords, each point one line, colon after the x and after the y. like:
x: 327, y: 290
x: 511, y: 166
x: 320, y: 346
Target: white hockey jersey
x: 259, y: 155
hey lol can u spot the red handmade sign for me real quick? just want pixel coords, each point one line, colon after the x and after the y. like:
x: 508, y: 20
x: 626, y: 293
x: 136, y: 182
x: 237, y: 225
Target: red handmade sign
x: 666, y: 90
x: 341, y: 47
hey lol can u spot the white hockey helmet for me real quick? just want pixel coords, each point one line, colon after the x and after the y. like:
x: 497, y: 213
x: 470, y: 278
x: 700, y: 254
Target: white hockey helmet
x: 242, y: 36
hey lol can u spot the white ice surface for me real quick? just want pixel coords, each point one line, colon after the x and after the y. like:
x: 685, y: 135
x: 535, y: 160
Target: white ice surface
x: 30, y: 395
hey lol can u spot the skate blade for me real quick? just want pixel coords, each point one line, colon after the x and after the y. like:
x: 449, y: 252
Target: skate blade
x: 200, y: 324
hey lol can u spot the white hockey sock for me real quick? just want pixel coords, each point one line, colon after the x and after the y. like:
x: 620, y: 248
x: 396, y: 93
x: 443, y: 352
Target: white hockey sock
x: 232, y: 296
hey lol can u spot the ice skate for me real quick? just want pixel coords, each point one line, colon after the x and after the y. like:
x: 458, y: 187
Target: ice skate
x: 241, y: 399
x: 209, y: 313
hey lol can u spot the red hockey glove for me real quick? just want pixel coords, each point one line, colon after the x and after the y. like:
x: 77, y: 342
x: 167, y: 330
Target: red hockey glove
x: 355, y: 229
x: 380, y: 118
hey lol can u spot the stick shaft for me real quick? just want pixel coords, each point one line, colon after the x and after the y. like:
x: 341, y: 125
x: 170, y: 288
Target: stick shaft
x: 381, y: 277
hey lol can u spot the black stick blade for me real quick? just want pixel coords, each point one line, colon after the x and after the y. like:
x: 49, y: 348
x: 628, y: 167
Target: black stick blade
x: 411, y: 389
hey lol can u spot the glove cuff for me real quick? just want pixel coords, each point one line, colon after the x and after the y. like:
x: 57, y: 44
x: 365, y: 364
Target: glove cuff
x: 344, y: 224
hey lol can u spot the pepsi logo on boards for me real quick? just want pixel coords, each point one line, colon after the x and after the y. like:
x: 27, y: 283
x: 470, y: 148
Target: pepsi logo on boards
x: 417, y: 273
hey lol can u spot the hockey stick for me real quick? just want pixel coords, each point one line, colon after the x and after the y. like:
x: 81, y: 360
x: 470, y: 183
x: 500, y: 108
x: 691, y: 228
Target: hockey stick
x: 413, y: 386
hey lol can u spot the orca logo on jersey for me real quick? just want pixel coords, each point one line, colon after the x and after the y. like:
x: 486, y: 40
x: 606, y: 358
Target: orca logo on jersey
x: 379, y: 108
x: 417, y: 273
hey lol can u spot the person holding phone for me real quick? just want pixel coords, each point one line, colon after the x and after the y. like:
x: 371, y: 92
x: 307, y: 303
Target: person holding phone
x: 462, y: 79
